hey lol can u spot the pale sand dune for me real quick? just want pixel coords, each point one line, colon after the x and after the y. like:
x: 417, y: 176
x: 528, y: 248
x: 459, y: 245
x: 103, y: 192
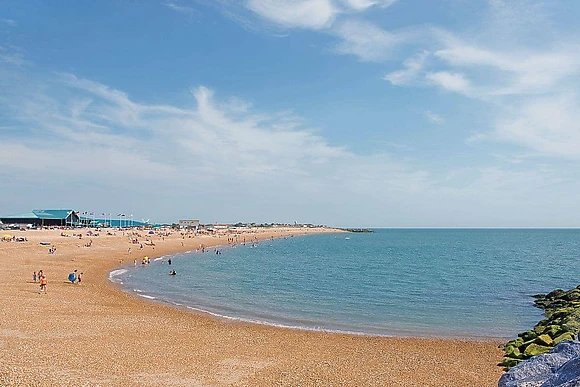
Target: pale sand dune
x: 96, y: 335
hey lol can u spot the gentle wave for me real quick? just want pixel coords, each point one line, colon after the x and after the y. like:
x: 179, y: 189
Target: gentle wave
x: 116, y: 273
x: 278, y: 325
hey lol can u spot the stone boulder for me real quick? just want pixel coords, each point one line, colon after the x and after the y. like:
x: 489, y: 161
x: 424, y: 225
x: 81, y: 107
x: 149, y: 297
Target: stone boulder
x: 559, y: 368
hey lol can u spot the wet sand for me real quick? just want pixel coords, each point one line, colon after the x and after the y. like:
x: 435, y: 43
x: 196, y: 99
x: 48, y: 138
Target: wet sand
x: 94, y: 334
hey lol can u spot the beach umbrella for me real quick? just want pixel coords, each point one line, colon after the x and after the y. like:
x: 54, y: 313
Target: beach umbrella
x: 6, y: 236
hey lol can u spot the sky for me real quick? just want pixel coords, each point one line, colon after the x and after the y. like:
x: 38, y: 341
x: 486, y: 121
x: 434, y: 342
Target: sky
x: 351, y: 113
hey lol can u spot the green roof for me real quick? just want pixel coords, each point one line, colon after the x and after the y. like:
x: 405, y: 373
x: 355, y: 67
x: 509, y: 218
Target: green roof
x: 28, y: 215
x: 41, y: 214
x: 52, y: 214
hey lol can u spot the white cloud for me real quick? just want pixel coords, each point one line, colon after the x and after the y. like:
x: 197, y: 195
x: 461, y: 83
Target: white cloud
x: 180, y: 8
x: 516, y: 20
x: 434, y: 118
x: 367, y: 41
x: 311, y: 14
x: 548, y: 125
x: 521, y: 72
x: 190, y: 14
x: 412, y: 68
x: 456, y: 82
x: 224, y: 138
x: 12, y: 56
x: 361, y: 5
x: 528, y: 81
x: 223, y: 149
x: 10, y: 22
x: 222, y: 152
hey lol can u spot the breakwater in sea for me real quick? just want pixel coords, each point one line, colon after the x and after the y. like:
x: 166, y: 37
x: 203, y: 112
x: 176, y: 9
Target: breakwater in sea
x: 357, y: 229
x: 562, y: 323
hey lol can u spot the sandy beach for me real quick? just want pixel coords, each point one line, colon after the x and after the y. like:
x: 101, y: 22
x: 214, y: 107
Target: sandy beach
x: 94, y: 334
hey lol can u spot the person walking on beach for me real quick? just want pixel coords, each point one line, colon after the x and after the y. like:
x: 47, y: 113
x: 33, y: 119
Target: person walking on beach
x: 43, y: 282
x: 34, y: 277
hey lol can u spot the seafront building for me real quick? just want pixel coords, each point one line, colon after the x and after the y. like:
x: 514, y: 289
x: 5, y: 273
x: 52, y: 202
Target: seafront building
x: 189, y: 224
x: 42, y: 218
x: 68, y: 218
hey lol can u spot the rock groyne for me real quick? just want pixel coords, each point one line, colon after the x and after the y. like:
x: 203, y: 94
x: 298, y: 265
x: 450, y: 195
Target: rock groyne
x: 562, y: 323
x: 559, y: 368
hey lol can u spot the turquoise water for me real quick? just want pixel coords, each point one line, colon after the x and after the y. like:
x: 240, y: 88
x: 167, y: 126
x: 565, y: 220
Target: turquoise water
x: 408, y: 282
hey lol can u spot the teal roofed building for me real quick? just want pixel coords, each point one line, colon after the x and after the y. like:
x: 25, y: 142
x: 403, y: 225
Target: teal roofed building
x: 44, y: 218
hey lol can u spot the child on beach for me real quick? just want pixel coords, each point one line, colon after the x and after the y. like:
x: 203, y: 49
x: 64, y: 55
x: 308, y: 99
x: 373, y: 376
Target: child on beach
x: 34, y: 277
x: 43, y: 282
x: 79, y: 278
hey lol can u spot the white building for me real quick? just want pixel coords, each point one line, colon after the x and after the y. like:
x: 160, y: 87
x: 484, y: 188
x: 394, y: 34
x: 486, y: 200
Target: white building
x: 192, y: 224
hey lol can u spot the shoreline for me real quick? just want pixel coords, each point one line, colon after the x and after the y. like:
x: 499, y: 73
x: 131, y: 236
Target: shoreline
x: 108, y: 334
x: 234, y: 319
x: 212, y: 314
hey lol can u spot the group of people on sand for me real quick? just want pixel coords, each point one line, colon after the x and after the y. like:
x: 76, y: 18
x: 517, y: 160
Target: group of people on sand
x: 40, y: 277
x: 146, y: 261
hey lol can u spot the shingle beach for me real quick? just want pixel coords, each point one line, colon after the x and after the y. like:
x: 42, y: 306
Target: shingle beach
x: 94, y: 334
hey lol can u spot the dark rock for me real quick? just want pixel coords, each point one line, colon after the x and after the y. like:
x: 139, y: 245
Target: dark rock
x: 555, y: 293
x: 572, y: 295
x: 528, y: 335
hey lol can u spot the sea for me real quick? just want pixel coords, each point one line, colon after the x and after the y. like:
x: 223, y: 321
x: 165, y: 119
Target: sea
x: 449, y: 283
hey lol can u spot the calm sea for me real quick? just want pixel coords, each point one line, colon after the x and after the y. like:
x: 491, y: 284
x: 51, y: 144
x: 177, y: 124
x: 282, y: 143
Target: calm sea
x: 408, y: 282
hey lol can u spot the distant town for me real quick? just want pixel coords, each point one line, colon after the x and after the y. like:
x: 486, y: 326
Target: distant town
x: 68, y: 218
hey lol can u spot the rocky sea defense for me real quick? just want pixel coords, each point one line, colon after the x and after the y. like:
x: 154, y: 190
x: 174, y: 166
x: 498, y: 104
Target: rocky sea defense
x: 562, y: 323
x: 558, y: 368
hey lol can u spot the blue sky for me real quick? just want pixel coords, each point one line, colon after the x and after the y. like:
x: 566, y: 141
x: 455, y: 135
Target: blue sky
x: 384, y: 113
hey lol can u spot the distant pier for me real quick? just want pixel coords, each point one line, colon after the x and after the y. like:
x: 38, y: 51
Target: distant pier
x: 357, y: 229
